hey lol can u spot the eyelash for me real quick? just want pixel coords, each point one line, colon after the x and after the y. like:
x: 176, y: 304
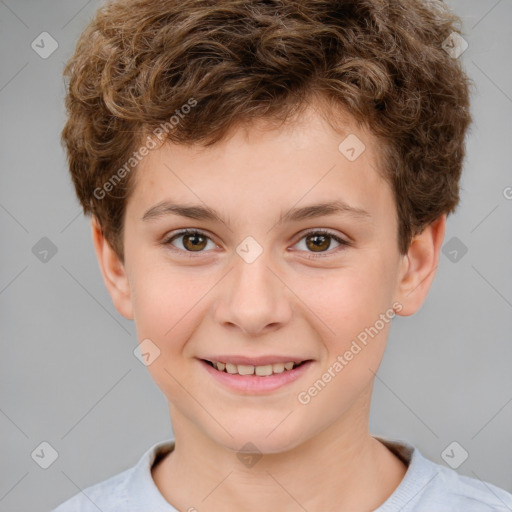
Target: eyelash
x: 191, y: 254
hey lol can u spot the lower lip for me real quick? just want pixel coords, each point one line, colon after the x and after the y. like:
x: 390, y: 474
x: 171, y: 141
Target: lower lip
x: 254, y: 384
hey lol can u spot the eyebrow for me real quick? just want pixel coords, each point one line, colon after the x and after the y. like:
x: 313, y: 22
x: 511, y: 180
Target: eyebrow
x: 199, y: 212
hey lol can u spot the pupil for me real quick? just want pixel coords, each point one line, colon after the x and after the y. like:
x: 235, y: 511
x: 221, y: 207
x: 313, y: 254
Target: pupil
x: 195, y: 244
x: 319, y: 242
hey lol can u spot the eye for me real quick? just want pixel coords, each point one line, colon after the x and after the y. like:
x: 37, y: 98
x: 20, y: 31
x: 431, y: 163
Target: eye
x: 192, y: 240
x: 318, y: 242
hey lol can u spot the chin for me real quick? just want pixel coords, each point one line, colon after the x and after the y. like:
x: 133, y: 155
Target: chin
x: 279, y: 440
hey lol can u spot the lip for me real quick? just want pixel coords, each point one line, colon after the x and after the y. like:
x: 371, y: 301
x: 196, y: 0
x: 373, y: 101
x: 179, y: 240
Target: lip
x: 254, y: 384
x: 255, y: 361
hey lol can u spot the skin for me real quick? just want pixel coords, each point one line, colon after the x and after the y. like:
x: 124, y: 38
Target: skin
x: 320, y: 455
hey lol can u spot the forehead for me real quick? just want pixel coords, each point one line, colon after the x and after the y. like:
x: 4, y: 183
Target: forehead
x: 262, y: 166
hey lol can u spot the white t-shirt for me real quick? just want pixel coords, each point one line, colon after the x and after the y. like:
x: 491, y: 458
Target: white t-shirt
x: 426, y: 487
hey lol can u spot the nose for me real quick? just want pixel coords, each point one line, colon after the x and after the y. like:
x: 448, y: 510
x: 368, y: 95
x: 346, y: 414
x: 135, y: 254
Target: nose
x: 254, y: 298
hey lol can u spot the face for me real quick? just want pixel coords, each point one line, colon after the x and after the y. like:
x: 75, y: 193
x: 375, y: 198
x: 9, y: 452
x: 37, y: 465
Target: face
x: 272, y: 280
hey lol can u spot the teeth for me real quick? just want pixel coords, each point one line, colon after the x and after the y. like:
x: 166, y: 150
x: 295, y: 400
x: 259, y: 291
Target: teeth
x: 245, y: 369
x: 278, y: 367
x: 231, y: 368
x: 262, y: 371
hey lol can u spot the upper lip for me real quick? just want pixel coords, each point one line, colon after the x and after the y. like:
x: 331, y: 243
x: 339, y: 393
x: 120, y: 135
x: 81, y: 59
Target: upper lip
x: 255, y: 361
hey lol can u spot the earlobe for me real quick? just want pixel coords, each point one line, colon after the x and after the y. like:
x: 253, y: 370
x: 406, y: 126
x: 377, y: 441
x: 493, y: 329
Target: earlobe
x: 419, y: 267
x: 113, y: 272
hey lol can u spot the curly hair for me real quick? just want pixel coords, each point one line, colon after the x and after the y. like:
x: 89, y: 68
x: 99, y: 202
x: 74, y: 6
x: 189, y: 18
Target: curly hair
x: 141, y: 65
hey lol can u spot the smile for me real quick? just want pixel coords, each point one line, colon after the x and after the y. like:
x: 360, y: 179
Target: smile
x: 255, y: 379
x: 246, y: 369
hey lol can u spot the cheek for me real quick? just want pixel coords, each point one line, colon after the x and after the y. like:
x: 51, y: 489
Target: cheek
x: 166, y: 303
x: 349, y: 306
x: 348, y: 301
x: 354, y: 338
x: 167, y: 309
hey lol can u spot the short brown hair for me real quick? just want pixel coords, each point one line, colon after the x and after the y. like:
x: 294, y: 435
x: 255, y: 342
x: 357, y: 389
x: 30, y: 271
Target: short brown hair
x: 139, y: 62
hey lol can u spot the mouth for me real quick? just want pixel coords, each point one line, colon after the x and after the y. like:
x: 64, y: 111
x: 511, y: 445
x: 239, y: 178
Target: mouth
x: 249, y: 370
x: 255, y: 379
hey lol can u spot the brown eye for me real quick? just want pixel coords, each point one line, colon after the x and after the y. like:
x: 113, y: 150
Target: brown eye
x: 194, y: 242
x: 318, y: 242
x: 191, y: 241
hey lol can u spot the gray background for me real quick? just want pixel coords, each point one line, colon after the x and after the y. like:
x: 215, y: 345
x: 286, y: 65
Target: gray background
x: 68, y: 373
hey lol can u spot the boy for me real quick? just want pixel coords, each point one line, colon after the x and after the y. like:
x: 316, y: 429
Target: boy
x: 269, y: 183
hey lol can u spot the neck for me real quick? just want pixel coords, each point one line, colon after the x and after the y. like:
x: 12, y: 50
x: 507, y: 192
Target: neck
x: 333, y: 470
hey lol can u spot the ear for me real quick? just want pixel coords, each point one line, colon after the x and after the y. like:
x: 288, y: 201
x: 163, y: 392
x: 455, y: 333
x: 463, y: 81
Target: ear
x: 419, y: 266
x: 113, y: 272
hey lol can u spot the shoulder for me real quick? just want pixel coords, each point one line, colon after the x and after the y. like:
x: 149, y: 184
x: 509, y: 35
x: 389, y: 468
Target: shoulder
x: 128, y: 491
x: 107, y: 496
x: 454, y: 491
x: 429, y: 486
